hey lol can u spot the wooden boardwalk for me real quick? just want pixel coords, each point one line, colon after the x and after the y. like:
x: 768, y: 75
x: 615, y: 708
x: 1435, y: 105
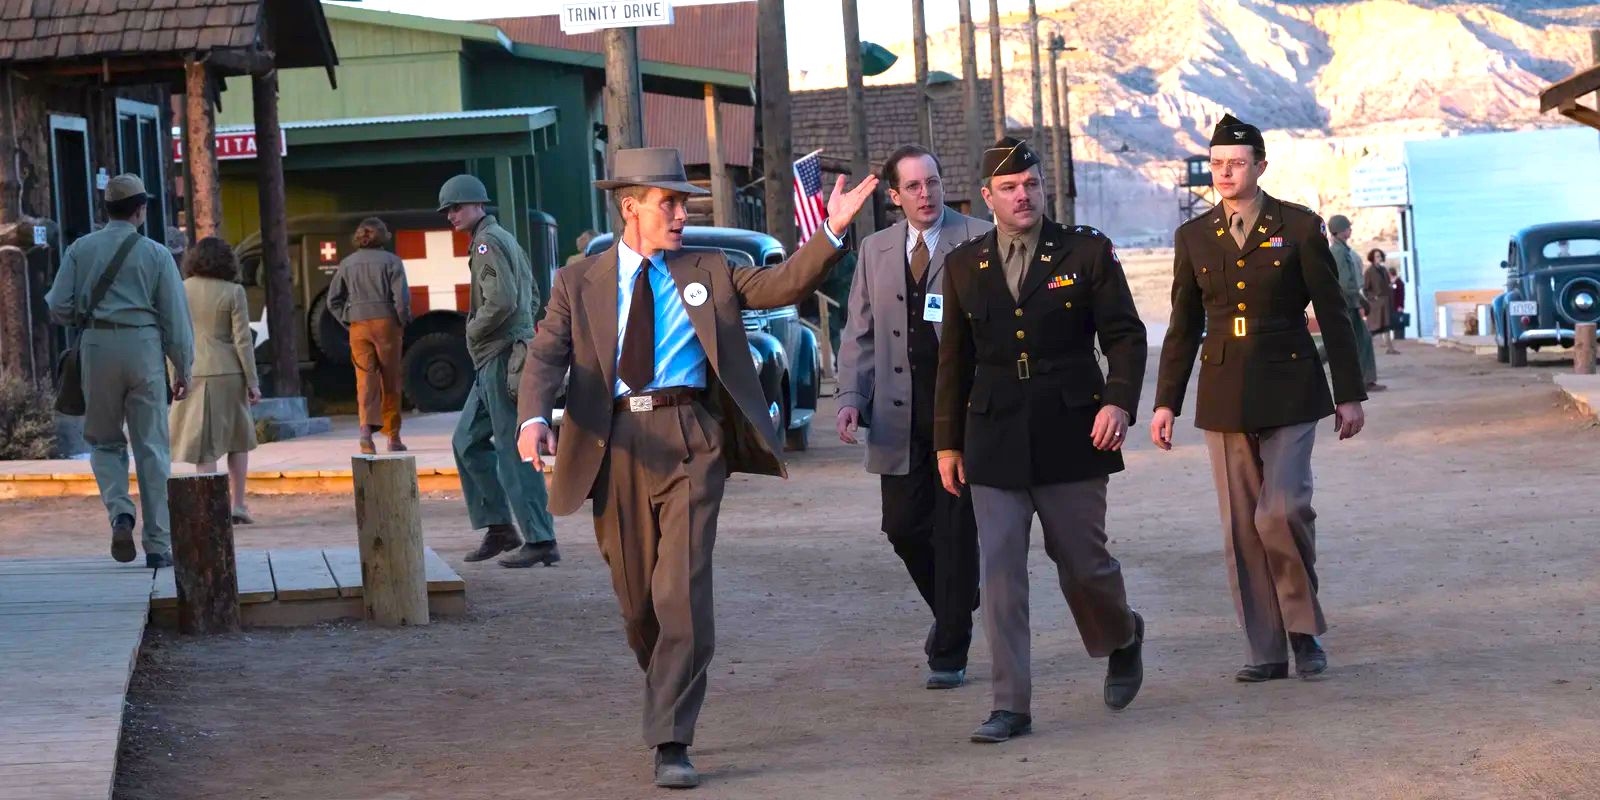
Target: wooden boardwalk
x: 69, y: 636
x: 70, y: 630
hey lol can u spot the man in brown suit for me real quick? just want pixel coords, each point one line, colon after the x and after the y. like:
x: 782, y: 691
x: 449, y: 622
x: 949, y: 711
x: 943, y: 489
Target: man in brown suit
x: 1243, y: 274
x: 663, y: 403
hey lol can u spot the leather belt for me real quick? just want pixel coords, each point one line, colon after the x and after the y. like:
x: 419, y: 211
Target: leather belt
x: 1025, y: 367
x: 660, y: 398
x: 1242, y: 326
x: 103, y: 325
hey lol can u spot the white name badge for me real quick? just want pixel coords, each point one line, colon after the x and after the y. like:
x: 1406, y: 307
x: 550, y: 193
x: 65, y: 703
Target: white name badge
x: 933, y: 308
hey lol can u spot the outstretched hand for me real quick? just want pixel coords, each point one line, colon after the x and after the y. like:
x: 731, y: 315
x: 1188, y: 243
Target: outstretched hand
x: 843, y: 205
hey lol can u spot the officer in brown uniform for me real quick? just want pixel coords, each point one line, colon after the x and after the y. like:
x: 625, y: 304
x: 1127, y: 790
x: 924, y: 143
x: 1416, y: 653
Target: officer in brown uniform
x: 1023, y: 411
x: 1243, y: 274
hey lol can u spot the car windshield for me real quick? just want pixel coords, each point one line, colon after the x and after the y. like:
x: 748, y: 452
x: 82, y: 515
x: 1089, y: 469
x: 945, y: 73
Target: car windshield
x: 1571, y: 248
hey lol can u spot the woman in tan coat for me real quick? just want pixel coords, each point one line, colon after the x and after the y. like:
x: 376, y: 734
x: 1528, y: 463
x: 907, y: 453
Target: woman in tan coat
x: 369, y: 296
x: 215, y: 418
x: 1379, y: 292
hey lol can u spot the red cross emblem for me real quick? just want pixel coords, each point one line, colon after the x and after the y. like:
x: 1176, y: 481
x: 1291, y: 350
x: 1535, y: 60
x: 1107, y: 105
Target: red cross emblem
x: 330, y: 252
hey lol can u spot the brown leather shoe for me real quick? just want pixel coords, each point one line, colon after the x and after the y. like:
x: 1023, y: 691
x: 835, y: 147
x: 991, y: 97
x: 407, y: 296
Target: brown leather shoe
x: 367, y: 447
x: 497, y: 540
x: 1376, y: 387
x: 396, y: 446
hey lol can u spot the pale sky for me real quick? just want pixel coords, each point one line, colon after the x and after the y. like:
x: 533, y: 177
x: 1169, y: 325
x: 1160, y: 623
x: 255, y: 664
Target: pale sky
x: 816, y: 30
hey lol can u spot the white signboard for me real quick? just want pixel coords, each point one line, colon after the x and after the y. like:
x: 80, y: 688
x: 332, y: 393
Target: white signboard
x: 1376, y: 183
x: 587, y: 16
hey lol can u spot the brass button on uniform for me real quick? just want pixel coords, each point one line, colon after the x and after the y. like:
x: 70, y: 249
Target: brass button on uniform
x: 1293, y: 356
x: 1240, y: 284
x: 1205, y: 269
x: 1277, y: 263
x: 1241, y: 306
x: 1020, y: 334
x: 1240, y: 262
x: 1097, y: 397
x: 1069, y: 304
x: 1019, y: 312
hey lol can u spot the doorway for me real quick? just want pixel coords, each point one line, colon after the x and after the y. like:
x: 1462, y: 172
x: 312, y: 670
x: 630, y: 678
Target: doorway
x: 72, y: 181
x: 139, y: 152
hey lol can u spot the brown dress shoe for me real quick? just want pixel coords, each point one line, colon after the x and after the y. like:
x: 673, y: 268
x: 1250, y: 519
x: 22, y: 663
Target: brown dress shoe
x: 367, y: 447
x: 497, y: 540
x: 396, y: 446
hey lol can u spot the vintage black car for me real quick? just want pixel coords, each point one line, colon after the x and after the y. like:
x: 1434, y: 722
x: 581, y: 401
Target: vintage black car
x: 1552, y: 284
x: 784, y: 350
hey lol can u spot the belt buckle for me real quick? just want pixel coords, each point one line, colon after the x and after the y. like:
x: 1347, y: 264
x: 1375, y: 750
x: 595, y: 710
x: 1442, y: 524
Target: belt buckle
x: 1238, y: 327
x: 641, y: 403
x: 1023, y: 371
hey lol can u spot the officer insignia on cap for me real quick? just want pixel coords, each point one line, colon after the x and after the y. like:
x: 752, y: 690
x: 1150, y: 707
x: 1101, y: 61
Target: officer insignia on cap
x: 1008, y: 156
x: 482, y: 248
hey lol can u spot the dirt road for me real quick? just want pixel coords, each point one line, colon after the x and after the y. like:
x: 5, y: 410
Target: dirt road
x: 1458, y: 551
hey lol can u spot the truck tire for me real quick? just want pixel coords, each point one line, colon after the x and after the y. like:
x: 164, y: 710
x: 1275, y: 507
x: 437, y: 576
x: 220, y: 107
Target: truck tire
x: 330, y: 338
x: 438, y: 372
x: 1519, y: 355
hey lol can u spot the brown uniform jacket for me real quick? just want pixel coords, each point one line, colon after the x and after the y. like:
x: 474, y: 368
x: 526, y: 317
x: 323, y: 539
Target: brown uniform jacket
x: 1259, y: 364
x: 580, y: 331
x: 1019, y: 383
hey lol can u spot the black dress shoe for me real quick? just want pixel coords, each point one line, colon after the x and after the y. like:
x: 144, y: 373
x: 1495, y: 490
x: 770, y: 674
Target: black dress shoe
x: 1001, y: 726
x: 532, y: 553
x: 1125, y: 672
x: 157, y: 560
x: 122, y: 538
x: 1260, y: 673
x: 497, y: 540
x: 1310, y: 660
x: 673, y: 769
x: 946, y: 679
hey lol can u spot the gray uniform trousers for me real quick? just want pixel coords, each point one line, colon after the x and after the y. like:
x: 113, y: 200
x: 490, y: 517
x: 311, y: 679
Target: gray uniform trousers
x: 1073, y: 516
x: 125, y: 382
x: 485, y: 444
x: 656, y: 501
x: 1269, y: 533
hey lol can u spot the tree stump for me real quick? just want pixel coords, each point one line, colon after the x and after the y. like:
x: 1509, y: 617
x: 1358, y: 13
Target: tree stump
x: 202, y: 554
x: 1583, y: 348
x: 394, y: 583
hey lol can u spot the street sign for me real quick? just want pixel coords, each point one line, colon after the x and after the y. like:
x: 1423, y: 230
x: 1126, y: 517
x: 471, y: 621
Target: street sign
x: 1378, y: 182
x: 231, y: 146
x: 587, y: 16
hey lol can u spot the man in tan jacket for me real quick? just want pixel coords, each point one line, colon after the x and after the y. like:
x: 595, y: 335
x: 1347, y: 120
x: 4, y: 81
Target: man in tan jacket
x: 660, y: 409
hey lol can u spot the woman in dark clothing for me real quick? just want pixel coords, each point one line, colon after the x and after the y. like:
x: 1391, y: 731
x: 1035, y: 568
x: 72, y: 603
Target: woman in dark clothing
x: 369, y: 296
x: 1379, y: 290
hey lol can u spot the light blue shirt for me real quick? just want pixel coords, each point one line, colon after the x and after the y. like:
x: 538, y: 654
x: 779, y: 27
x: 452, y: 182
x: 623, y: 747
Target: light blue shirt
x: 680, y: 358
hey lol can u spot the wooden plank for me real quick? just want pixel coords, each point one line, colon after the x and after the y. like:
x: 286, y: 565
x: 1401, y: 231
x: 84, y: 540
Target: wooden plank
x: 345, y: 564
x: 255, y: 576
x: 441, y: 578
x: 301, y: 575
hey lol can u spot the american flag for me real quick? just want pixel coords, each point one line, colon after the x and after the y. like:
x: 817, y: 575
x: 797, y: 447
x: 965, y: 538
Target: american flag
x: 809, y: 209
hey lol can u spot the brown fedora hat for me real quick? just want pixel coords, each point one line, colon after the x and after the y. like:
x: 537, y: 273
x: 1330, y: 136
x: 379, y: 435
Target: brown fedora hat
x: 661, y: 167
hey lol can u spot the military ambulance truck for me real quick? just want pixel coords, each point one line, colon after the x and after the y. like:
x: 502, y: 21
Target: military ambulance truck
x: 438, y: 371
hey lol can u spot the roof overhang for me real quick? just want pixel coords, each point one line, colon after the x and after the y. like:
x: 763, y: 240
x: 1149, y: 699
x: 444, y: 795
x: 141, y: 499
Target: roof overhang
x: 1563, y: 96
x: 415, y: 138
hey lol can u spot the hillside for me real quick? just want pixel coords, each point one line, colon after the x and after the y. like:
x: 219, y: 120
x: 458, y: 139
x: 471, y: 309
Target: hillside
x: 1330, y: 81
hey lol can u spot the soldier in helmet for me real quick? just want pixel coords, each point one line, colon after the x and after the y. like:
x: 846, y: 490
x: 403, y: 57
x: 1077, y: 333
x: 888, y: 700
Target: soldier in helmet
x: 498, y: 485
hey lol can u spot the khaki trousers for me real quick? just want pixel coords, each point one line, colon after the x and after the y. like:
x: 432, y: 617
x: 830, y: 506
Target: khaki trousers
x: 125, y: 383
x: 1073, y: 516
x: 375, y: 350
x: 656, y: 501
x: 1269, y: 533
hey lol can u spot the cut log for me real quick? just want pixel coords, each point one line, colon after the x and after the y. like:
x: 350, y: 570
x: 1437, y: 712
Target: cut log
x: 394, y: 584
x: 202, y: 554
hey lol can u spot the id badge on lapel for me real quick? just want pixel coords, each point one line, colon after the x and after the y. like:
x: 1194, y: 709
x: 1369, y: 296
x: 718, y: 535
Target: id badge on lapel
x: 933, y: 308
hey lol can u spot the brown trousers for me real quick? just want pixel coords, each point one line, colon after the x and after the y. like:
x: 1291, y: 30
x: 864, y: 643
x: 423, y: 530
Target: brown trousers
x: 656, y: 500
x: 1269, y: 533
x: 375, y: 350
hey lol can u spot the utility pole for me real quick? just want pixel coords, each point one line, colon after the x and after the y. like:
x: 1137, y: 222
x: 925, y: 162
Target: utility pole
x: 777, y: 154
x: 997, y: 70
x: 624, y: 104
x: 270, y: 193
x: 856, y: 107
x: 969, y: 106
x: 919, y: 52
x: 1069, y: 215
x: 1063, y: 214
x: 1033, y: 61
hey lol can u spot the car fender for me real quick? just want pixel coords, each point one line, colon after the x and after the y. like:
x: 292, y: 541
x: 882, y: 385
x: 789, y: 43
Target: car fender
x: 803, y: 371
x: 774, y: 362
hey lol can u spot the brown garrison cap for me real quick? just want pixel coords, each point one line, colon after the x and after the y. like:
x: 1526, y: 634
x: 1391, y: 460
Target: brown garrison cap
x: 1008, y: 156
x: 123, y: 187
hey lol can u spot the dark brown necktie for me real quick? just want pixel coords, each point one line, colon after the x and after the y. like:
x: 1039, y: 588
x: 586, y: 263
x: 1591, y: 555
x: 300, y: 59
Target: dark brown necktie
x: 919, y: 259
x: 637, y: 367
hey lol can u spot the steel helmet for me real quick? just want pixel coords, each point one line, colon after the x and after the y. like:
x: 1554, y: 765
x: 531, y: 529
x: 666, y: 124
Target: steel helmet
x: 462, y: 189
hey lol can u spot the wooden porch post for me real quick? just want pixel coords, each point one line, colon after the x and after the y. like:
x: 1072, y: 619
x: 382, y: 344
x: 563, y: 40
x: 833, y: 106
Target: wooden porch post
x: 15, y: 346
x: 624, y: 104
x: 274, y: 235
x: 722, y: 212
x: 777, y: 142
x: 200, y: 152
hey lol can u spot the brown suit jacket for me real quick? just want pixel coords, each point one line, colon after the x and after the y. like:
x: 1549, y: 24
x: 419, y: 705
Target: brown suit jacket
x: 579, y: 332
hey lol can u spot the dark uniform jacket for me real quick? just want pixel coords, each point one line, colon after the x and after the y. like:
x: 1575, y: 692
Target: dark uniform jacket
x: 1259, y: 365
x: 1019, y: 383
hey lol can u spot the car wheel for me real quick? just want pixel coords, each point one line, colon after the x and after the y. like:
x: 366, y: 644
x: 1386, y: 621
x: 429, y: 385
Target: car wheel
x: 331, y: 339
x: 1502, y: 351
x: 438, y: 372
x: 1519, y: 355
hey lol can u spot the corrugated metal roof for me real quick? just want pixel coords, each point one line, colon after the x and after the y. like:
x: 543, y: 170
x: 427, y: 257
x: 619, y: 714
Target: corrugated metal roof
x: 681, y: 122
x: 404, y: 118
x: 712, y: 37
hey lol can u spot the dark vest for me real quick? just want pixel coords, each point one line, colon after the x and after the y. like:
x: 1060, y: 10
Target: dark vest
x: 922, y: 352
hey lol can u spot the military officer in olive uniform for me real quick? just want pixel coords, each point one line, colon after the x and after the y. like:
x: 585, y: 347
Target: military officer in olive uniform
x: 133, y: 327
x: 1023, y: 412
x: 497, y: 484
x: 1243, y: 274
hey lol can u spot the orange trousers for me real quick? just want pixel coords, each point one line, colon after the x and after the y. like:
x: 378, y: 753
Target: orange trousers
x: 375, y: 349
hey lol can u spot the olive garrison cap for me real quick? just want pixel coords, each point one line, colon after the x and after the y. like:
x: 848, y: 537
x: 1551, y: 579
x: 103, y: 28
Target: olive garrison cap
x: 1230, y: 130
x: 1008, y: 156
x: 123, y: 187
